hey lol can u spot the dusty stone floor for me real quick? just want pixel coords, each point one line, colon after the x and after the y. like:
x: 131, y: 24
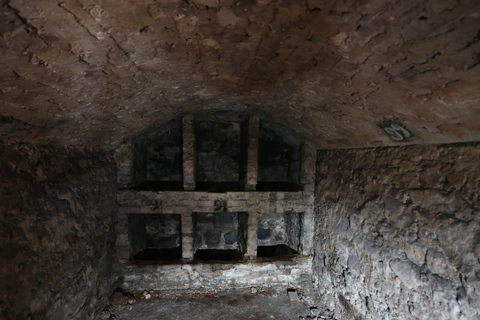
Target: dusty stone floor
x: 212, y: 304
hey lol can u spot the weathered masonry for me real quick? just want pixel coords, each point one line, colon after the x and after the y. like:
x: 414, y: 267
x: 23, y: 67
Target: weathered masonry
x: 215, y: 189
x: 220, y: 143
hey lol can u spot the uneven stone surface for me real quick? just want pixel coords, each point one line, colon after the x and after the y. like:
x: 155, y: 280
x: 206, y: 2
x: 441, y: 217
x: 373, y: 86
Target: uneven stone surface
x: 295, y: 271
x: 255, y: 303
x: 57, y: 236
x: 94, y: 72
x: 397, y: 232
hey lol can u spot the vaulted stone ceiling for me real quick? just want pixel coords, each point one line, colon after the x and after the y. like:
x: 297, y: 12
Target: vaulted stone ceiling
x: 95, y: 72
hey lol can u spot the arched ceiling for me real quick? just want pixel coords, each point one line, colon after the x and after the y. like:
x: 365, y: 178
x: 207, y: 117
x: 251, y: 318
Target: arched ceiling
x: 344, y: 73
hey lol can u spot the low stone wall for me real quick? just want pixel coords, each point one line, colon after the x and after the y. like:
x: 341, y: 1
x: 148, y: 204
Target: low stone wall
x: 57, y: 236
x: 398, y: 233
x: 213, y: 275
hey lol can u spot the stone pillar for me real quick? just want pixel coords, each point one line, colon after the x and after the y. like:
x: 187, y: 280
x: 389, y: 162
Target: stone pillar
x: 307, y: 179
x: 124, y: 162
x: 124, y: 249
x: 187, y: 236
x: 252, y: 153
x: 188, y: 153
x: 307, y: 173
x: 252, y: 226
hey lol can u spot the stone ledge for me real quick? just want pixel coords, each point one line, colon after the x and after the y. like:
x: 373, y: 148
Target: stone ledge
x: 216, y: 275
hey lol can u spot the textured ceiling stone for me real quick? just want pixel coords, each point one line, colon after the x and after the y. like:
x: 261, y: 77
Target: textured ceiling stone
x: 95, y: 72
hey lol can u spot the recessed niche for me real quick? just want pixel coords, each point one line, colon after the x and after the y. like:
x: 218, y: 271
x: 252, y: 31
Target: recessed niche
x: 220, y: 236
x: 279, y: 235
x: 217, y: 155
x: 158, y: 158
x: 218, y: 255
x: 221, y: 153
x: 155, y: 236
x: 276, y: 251
x: 159, y: 254
x: 279, y: 158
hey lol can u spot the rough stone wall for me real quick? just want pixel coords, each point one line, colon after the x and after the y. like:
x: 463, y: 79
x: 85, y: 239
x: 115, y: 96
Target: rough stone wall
x: 95, y: 72
x: 57, y: 237
x: 397, y: 232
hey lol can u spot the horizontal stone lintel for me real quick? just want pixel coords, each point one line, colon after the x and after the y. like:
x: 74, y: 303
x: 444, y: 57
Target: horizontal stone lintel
x: 187, y: 202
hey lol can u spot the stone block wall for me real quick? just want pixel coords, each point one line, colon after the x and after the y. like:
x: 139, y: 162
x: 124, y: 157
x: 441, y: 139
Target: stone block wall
x: 214, y: 188
x: 186, y: 203
x: 397, y: 232
x: 57, y: 236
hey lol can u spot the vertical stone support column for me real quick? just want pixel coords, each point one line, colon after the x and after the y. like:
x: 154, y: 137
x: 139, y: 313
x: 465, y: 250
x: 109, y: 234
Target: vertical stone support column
x: 307, y: 177
x: 123, y: 242
x: 252, y: 153
x: 188, y: 153
x: 252, y: 226
x: 124, y: 161
x: 187, y: 235
x: 307, y: 173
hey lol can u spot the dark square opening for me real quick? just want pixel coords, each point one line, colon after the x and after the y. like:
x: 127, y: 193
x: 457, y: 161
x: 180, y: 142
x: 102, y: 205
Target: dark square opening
x: 279, y: 158
x: 220, y: 153
x: 160, y: 186
x: 155, y: 237
x: 219, y: 236
x: 158, y: 158
x: 276, y: 251
x: 215, y: 255
x: 159, y: 254
x: 279, y: 234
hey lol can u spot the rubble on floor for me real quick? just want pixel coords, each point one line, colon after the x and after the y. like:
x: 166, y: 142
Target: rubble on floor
x: 205, y: 303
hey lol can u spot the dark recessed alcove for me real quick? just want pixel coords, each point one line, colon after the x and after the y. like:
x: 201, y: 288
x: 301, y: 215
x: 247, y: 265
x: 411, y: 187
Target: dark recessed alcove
x: 159, y: 186
x: 155, y: 236
x: 279, y: 158
x: 220, y: 236
x: 159, y: 254
x: 279, y: 234
x: 219, y: 186
x: 158, y: 158
x: 220, y: 152
x: 219, y: 149
x: 275, y: 251
x: 278, y: 186
x: 217, y: 255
